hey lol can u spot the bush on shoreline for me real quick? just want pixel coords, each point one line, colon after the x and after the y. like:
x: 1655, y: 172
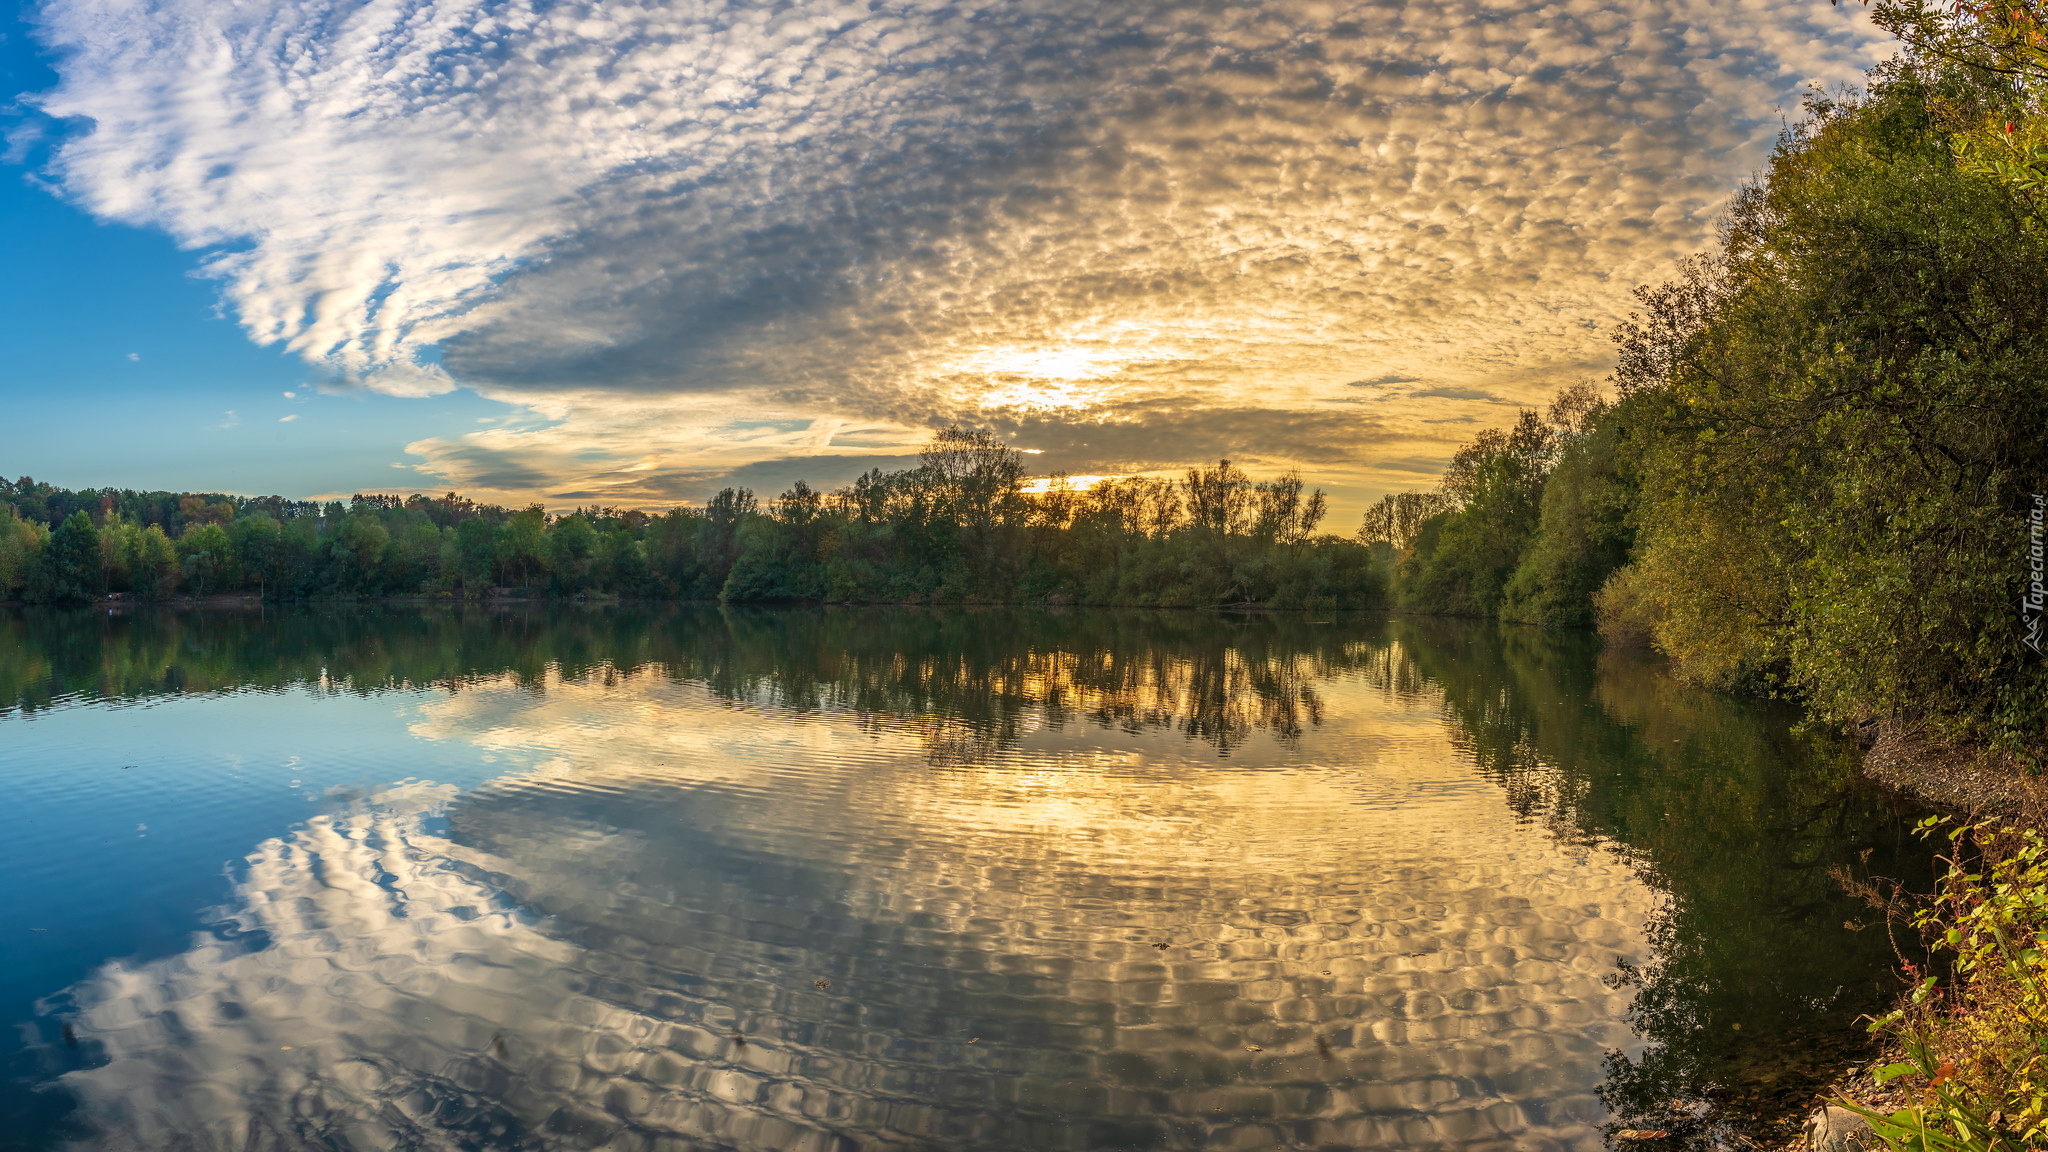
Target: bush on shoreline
x: 1974, y: 1030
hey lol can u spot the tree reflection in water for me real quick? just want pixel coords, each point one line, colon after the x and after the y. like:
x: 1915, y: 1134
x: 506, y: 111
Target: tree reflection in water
x: 1760, y: 966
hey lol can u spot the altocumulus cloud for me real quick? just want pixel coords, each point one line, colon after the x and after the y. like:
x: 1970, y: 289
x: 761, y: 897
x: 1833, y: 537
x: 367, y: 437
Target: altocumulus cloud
x: 698, y: 236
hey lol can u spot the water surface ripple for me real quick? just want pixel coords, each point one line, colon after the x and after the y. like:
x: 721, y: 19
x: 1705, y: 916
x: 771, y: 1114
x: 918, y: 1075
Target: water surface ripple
x: 684, y: 879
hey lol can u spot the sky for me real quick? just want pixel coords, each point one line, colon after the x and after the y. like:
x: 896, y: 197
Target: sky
x: 629, y: 253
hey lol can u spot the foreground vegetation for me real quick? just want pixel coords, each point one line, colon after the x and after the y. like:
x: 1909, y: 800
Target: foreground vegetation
x: 1974, y: 1032
x: 960, y: 528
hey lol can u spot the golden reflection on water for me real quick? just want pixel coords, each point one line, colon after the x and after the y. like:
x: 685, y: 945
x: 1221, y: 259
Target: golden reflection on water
x: 695, y: 923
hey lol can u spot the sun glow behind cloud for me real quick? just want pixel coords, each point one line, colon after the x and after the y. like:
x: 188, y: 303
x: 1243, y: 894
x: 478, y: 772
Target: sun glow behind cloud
x: 693, y: 237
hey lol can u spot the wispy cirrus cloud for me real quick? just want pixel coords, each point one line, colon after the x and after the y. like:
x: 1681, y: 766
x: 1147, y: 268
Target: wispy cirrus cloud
x: 1126, y: 231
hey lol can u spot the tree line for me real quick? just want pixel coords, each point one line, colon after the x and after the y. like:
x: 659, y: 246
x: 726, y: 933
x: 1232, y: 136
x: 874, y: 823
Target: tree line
x: 1816, y: 470
x: 964, y: 526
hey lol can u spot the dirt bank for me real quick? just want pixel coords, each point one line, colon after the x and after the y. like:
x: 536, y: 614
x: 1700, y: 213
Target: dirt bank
x: 1966, y: 780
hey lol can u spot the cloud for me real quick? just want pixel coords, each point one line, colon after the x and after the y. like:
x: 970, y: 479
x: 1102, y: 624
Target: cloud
x: 1449, y: 393
x: 898, y: 214
x: 287, y: 419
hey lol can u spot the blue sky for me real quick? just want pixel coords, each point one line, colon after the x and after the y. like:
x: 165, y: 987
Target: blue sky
x: 586, y: 250
x: 120, y: 367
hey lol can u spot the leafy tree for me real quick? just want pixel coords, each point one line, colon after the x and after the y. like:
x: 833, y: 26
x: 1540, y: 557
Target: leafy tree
x: 571, y: 544
x: 620, y: 562
x: 522, y: 544
x: 21, y: 545
x: 68, y: 571
x: 1495, y: 487
x: 355, y: 554
x: 152, y: 563
x: 207, y: 557
x: 718, y: 543
x: 259, y: 547
x: 1848, y: 401
x: 475, y: 555
x: 1584, y: 530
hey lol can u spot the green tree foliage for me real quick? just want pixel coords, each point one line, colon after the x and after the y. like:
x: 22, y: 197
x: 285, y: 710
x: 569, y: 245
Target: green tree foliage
x: 1849, y: 403
x: 21, y: 544
x: 207, y: 556
x: 1584, y: 530
x: 68, y: 569
x: 961, y: 527
x: 1526, y: 524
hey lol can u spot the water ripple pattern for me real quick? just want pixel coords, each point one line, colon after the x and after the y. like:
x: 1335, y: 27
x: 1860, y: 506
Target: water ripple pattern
x: 704, y: 918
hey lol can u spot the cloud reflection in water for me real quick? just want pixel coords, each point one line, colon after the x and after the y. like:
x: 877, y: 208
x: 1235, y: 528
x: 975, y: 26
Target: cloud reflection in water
x: 564, y: 958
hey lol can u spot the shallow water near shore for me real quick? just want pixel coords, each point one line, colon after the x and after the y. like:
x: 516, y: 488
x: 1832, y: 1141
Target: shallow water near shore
x: 658, y: 877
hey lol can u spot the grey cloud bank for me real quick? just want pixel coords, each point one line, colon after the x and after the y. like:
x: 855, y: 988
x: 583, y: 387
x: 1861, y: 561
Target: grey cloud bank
x: 1125, y: 232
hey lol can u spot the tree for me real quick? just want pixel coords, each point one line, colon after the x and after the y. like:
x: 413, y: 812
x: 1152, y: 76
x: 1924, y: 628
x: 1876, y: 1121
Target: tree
x: 1585, y: 528
x: 718, y: 543
x: 523, y: 544
x: 1218, y: 497
x: 1280, y: 514
x: 68, y: 571
x: 475, y: 555
x: 1398, y: 516
x: 1494, y: 488
x: 153, y: 565
x: 207, y: 558
x: 571, y: 543
x: 1847, y: 408
x: 21, y: 545
x: 258, y: 543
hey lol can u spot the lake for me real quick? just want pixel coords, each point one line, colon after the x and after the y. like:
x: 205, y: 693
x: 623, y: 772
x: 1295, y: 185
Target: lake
x: 818, y: 880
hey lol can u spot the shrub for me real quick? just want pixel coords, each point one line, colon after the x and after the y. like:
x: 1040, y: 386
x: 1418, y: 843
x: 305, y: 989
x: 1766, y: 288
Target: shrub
x: 1976, y: 1038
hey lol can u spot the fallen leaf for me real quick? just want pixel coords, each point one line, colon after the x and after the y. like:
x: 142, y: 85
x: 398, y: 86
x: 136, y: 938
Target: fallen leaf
x: 1253, y: 1048
x: 1641, y: 1134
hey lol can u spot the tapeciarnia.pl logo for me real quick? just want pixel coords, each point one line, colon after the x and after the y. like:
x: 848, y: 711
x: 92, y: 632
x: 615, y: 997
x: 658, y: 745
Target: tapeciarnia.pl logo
x: 2035, y: 598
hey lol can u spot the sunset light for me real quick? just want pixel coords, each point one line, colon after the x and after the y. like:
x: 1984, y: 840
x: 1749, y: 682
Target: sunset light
x: 1024, y: 576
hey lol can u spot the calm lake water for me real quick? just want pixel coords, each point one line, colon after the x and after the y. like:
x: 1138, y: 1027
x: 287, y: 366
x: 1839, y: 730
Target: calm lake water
x: 824, y: 880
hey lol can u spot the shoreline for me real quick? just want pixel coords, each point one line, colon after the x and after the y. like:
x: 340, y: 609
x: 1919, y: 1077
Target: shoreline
x: 1968, y: 782
x: 1965, y: 781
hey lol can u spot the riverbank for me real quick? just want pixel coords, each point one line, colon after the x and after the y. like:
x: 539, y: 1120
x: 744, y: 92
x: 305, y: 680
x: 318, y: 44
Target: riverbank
x: 1974, y: 782
x: 1978, y: 786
